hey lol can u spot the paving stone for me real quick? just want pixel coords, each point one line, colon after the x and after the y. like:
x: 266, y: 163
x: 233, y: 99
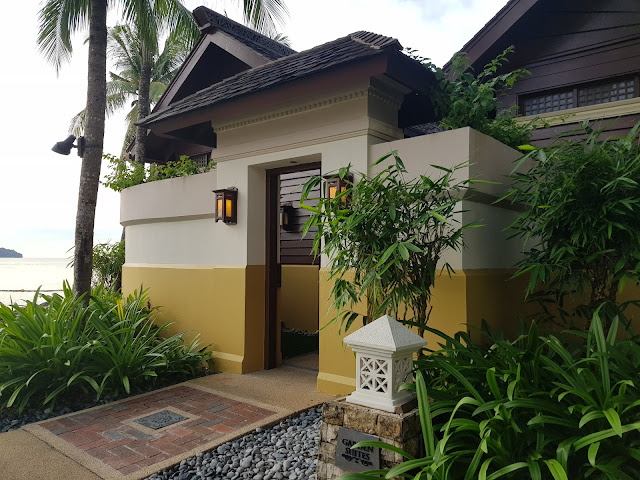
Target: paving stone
x: 110, y: 434
x: 218, y: 408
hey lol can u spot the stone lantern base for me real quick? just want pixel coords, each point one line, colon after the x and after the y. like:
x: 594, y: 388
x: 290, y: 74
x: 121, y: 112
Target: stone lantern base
x: 341, y: 419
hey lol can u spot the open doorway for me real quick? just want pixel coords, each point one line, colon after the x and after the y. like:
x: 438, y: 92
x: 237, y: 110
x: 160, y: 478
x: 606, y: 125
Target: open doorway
x: 291, y: 272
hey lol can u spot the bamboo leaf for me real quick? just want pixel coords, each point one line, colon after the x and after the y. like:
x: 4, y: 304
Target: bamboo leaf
x: 556, y: 469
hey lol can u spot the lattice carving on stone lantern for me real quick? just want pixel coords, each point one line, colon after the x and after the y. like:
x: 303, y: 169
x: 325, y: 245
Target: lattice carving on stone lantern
x: 384, y: 359
x: 374, y: 374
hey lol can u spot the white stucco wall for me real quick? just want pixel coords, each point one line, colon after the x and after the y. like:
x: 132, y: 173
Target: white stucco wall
x: 186, y: 242
x: 172, y: 199
x: 171, y: 221
x: 489, y: 160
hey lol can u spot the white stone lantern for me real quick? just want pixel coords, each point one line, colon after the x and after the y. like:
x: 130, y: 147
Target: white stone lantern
x: 384, y: 357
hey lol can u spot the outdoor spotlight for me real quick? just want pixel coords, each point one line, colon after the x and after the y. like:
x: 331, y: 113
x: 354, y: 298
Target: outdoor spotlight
x: 227, y: 205
x: 64, y: 147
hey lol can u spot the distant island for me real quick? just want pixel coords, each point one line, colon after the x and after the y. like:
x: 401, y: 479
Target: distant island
x: 8, y: 253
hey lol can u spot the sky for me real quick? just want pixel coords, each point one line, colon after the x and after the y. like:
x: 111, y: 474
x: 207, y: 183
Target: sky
x: 38, y: 188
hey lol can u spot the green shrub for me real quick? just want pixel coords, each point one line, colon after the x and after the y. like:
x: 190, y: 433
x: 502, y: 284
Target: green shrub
x: 42, y: 351
x: 108, y: 259
x: 540, y: 407
x: 463, y: 99
x: 107, y: 347
x: 582, y: 216
x: 125, y: 174
x: 386, y: 235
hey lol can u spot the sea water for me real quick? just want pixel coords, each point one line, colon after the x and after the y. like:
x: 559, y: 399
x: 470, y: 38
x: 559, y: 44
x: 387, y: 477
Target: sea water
x: 20, y: 277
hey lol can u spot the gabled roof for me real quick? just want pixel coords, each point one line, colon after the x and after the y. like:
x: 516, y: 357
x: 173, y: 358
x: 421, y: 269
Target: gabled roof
x: 209, y: 21
x: 387, y: 334
x: 501, y: 22
x: 357, y: 46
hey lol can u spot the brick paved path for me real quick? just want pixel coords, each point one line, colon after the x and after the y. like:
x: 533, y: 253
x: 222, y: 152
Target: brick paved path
x: 113, y: 436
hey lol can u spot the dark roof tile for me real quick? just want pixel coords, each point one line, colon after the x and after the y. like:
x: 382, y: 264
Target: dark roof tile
x: 357, y: 46
x: 267, y: 47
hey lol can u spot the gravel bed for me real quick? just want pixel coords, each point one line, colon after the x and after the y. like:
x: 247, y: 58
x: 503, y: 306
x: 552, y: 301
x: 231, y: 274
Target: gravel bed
x: 287, y: 450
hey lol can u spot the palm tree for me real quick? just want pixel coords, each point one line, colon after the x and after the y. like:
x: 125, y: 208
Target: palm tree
x: 124, y: 49
x: 58, y: 21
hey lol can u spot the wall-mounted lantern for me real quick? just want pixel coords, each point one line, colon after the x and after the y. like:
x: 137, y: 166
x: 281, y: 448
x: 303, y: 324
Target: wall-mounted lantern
x: 336, y: 185
x: 287, y: 215
x: 227, y: 205
x: 384, y: 361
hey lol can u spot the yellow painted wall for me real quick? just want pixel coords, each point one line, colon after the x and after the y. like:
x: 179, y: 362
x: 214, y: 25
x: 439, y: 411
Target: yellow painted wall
x: 225, y: 305
x: 337, y: 366
x: 337, y: 370
x: 298, y: 297
x: 460, y: 302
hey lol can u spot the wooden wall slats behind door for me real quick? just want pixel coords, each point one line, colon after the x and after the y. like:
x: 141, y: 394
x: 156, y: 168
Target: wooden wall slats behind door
x: 294, y: 249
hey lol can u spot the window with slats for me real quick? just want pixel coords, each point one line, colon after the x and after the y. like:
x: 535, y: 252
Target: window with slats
x: 609, y: 92
x: 580, y: 96
x: 552, y: 102
x: 202, y: 160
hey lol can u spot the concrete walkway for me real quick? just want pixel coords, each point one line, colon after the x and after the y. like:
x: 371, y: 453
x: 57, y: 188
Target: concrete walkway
x: 133, y: 438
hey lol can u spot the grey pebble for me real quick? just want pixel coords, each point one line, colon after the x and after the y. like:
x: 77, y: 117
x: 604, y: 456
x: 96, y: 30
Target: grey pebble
x: 288, y: 450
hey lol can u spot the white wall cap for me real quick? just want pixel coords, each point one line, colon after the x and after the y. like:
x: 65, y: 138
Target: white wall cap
x: 385, y: 334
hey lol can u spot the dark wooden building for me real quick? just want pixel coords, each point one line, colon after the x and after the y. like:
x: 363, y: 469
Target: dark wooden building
x: 583, y: 55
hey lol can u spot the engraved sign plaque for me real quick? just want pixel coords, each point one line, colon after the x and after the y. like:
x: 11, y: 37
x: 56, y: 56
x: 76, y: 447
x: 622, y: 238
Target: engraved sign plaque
x: 356, y: 460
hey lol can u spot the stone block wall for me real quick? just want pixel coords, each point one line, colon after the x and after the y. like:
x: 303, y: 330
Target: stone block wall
x: 399, y: 429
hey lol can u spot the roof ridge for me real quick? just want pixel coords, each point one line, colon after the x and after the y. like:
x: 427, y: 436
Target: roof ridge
x: 230, y: 26
x: 375, y: 40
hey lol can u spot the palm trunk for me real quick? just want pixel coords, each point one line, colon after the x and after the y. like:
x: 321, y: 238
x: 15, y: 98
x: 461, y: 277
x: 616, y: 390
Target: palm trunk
x: 143, y: 107
x: 94, y: 137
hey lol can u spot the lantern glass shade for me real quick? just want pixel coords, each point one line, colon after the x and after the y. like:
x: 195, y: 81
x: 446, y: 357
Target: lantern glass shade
x: 219, y: 201
x: 336, y: 185
x: 227, y: 205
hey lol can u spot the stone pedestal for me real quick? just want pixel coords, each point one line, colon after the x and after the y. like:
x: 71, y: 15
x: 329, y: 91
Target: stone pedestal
x: 399, y: 429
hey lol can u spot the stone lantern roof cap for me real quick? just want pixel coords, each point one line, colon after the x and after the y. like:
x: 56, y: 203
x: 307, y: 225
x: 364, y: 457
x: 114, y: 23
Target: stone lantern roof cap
x: 385, y: 334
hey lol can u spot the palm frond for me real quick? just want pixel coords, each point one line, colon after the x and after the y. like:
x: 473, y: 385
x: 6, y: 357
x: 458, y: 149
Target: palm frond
x: 156, y: 89
x: 130, y: 134
x: 78, y: 123
x: 281, y: 38
x: 124, y: 48
x: 265, y: 15
x: 58, y: 20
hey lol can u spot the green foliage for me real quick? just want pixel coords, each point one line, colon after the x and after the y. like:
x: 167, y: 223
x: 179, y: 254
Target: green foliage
x: 66, y: 348
x: 540, y: 407
x: 385, y: 235
x: 582, y: 201
x: 179, y: 168
x: 108, y: 259
x: 462, y: 99
x: 125, y: 174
